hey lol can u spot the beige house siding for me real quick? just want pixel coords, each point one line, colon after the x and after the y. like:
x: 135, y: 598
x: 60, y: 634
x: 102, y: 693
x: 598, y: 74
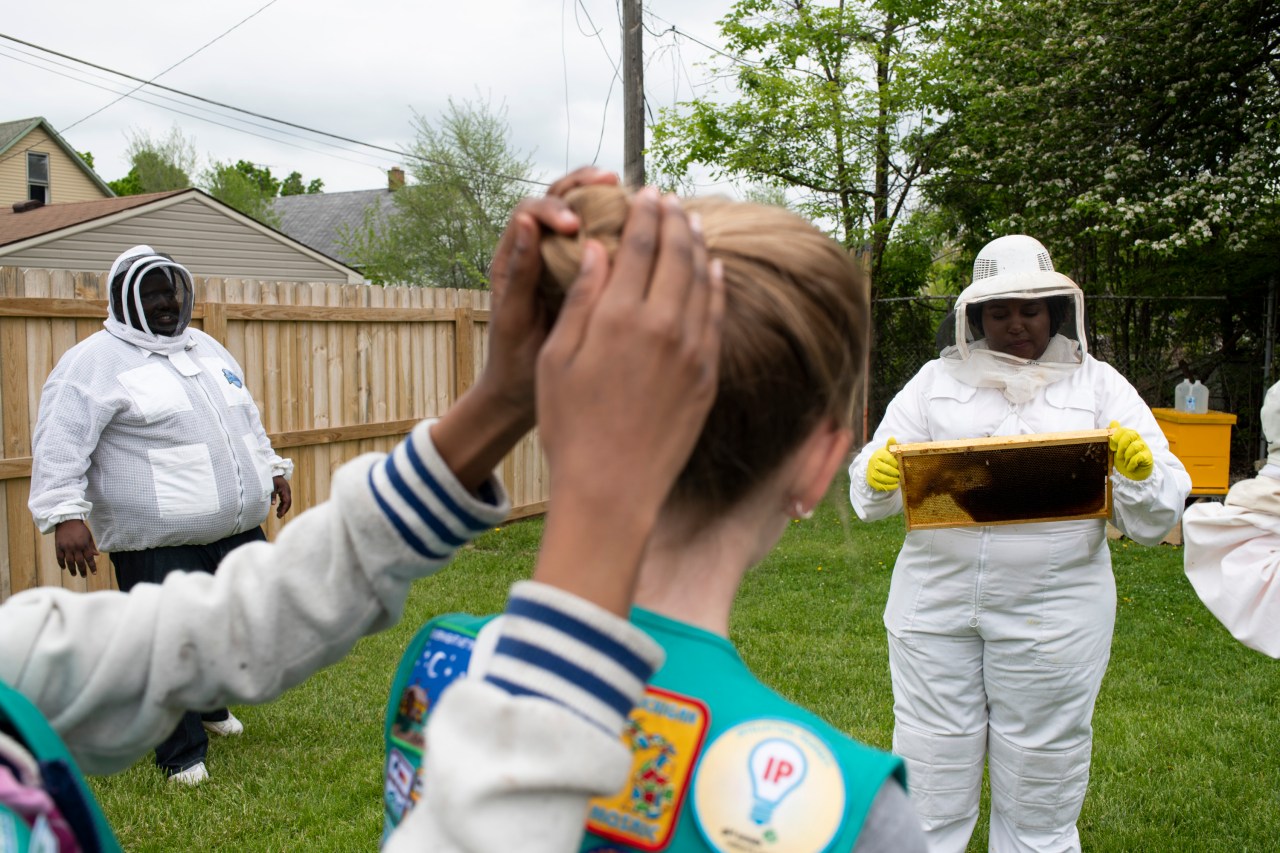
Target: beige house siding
x: 67, y: 182
x: 205, y: 240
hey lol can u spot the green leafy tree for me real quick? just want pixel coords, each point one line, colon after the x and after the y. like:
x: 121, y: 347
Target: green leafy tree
x: 157, y: 165
x: 1127, y: 136
x: 828, y: 101
x: 261, y: 176
x: 443, y: 227
x: 292, y: 185
x: 87, y: 157
x: 244, y: 186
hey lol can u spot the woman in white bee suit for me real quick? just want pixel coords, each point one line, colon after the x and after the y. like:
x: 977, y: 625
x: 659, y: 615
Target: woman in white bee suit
x: 999, y: 636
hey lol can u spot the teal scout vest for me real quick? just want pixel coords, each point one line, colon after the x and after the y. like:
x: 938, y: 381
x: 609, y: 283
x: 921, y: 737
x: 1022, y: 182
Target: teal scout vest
x: 62, y: 779
x: 720, y: 762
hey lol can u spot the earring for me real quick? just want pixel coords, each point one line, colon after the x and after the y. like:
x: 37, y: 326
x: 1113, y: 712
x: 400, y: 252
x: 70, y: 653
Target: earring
x: 799, y: 512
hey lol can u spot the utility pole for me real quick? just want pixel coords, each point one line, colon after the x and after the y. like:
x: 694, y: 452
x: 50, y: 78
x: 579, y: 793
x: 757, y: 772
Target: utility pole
x: 633, y: 94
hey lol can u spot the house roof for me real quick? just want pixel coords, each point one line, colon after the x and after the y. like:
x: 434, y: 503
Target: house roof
x: 15, y: 227
x: 318, y: 219
x: 21, y: 232
x: 13, y: 132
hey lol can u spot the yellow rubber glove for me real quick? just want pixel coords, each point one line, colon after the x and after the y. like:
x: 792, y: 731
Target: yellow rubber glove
x: 1132, y: 456
x: 882, y: 470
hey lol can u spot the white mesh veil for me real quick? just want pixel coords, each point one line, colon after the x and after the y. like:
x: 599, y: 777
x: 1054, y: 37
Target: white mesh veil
x: 134, y: 264
x: 1015, y: 267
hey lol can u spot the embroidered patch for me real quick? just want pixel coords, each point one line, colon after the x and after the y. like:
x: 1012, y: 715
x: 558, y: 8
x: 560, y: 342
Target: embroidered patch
x: 769, y: 783
x: 400, y: 790
x: 232, y: 378
x: 445, y: 657
x: 665, y: 733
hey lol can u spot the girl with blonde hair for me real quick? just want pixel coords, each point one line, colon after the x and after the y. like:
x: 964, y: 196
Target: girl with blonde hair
x: 711, y: 759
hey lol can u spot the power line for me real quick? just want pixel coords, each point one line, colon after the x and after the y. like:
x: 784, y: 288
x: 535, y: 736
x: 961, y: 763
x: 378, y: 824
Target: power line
x: 167, y: 70
x: 564, y: 68
x: 617, y: 74
x: 317, y: 132
x: 4, y: 52
x: 172, y: 109
x: 672, y: 28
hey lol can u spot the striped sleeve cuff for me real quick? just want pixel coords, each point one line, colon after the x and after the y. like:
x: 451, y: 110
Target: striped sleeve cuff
x: 559, y: 647
x: 433, y: 513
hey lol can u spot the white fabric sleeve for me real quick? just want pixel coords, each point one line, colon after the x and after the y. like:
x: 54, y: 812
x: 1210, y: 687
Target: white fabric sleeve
x: 68, y: 426
x: 515, y: 750
x: 906, y: 419
x: 113, y: 672
x: 1232, y: 558
x: 1144, y: 510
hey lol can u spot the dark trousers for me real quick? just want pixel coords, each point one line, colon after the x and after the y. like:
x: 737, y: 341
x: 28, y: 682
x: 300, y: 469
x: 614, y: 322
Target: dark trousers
x: 187, y: 745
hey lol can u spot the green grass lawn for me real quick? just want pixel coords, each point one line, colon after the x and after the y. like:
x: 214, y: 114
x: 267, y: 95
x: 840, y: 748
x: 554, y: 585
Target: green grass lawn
x: 1187, y: 731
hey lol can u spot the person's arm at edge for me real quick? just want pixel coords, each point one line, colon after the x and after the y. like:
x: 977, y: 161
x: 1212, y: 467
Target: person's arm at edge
x: 113, y: 672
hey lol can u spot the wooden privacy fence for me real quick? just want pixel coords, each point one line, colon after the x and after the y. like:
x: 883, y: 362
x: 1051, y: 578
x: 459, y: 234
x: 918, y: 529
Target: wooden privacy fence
x: 336, y: 370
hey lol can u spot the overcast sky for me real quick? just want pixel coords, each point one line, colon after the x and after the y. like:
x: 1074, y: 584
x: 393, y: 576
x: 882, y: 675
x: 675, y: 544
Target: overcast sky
x: 356, y: 69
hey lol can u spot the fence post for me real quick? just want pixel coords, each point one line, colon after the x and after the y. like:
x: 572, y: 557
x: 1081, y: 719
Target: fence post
x: 464, y: 350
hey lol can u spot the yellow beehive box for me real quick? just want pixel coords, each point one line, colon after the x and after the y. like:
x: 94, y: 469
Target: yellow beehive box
x: 1006, y: 480
x: 1203, y: 444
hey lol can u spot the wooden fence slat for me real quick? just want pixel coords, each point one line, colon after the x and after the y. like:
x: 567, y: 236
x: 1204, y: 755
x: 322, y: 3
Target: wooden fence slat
x: 13, y: 387
x: 376, y: 372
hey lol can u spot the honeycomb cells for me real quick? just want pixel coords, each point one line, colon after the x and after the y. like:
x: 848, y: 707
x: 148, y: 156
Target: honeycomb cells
x: 1009, y: 483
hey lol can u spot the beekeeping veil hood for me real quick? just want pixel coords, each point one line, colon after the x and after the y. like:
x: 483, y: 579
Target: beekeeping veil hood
x: 126, y: 318
x: 1015, y: 267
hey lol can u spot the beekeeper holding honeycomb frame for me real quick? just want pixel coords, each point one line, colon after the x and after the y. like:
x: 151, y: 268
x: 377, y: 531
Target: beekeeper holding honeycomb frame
x: 999, y: 636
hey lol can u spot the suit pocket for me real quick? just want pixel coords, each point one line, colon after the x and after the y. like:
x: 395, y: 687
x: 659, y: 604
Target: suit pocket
x: 184, y: 480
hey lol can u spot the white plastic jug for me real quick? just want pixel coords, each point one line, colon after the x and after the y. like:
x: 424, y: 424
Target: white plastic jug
x: 1181, y: 395
x: 1199, y: 399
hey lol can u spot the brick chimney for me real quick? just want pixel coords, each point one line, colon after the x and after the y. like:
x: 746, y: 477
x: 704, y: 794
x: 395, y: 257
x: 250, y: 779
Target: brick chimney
x: 395, y: 178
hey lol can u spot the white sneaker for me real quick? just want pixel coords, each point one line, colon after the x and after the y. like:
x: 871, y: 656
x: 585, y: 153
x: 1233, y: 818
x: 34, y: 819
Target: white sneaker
x: 225, y: 728
x: 192, y: 776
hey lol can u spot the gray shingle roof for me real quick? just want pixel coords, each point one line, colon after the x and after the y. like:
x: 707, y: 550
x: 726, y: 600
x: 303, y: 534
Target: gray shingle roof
x: 316, y: 220
x: 11, y: 130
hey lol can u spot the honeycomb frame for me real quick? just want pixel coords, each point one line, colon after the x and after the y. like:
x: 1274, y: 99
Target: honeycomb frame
x: 981, y: 482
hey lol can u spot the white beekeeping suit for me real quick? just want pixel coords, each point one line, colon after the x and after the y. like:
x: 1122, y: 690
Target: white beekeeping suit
x: 1232, y: 553
x: 153, y: 439
x: 999, y: 636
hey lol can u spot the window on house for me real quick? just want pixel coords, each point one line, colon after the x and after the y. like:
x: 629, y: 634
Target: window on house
x: 38, y: 176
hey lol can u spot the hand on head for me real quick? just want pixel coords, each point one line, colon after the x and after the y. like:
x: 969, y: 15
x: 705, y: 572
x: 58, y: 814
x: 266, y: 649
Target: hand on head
x: 625, y: 382
x: 520, y: 319
x: 482, y: 427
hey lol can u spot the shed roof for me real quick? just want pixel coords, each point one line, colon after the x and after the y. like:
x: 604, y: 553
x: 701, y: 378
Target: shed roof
x: 217, y: 239
x: 15, y: 227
